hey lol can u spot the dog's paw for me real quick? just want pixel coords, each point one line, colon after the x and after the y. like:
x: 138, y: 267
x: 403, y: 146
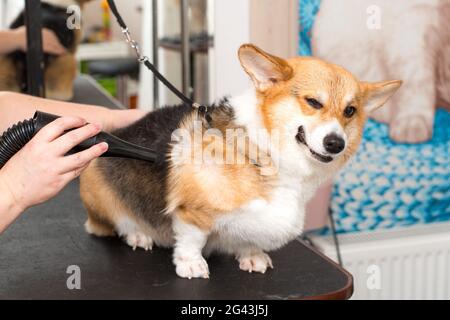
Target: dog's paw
x: 139, y: 240
x: 258, y: 262
x: 192, y: 267
x: 98, y: 229
x: 411, y: 129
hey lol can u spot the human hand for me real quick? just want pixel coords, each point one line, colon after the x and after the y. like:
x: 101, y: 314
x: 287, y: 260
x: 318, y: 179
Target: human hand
x: 50, y: 42
x: 41, y: 170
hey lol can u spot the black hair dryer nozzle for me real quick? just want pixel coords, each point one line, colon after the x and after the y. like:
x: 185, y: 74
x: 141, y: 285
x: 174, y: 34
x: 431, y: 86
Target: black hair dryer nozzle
x: 16, y: 137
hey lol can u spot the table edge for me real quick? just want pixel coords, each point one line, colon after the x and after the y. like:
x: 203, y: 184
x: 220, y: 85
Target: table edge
x: 341, y: 294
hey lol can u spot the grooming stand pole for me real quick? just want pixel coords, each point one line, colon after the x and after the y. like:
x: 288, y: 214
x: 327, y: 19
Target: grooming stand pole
x: 35, y: 56
x: 185, y: 48
x: 155, y: 46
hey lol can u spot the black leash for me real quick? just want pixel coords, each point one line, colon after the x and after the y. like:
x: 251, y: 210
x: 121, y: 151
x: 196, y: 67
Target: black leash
x: 146, y: 61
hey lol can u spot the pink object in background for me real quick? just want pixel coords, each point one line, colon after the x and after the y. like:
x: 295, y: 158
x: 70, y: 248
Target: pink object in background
x: 317, y: 208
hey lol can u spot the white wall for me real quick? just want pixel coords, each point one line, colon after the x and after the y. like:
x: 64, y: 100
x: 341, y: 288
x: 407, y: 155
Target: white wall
x: 145, y: 100
x: 9, y: 11
x: 232, y: 28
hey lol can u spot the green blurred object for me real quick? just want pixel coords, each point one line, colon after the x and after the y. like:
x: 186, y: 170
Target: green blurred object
x: 109, y: 84
x: 84, y: 67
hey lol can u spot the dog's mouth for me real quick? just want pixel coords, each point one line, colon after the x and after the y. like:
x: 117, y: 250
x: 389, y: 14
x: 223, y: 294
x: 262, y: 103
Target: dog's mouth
x: 300, y: 137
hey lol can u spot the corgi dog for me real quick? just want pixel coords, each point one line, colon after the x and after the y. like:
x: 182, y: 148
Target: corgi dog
x: 245, y: 209
x: 410, y: 39
x: 59, y: 71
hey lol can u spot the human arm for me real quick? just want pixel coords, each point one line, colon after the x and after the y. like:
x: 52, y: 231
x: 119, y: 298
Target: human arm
x: 16, y: 107
x: 16, y: 39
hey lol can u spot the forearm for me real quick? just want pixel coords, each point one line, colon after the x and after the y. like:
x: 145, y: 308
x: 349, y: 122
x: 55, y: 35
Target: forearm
x: 16, y: 107
x: 11, y: 41
x: 9, y: 209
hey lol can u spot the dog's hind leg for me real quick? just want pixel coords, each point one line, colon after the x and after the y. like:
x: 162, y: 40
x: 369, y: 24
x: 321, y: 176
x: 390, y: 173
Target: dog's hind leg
x: 107, y: 215
x: 93, y: 196
x: 97, y: 228
x: 134, y: 234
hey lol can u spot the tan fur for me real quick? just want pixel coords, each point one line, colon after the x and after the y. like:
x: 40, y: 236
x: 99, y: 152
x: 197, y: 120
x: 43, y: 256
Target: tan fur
x: 304, y: 77
x: 279, y: 69
x: 336, y: 82
x: 8, y: 76
x: 102, y: 204
x: 100, y: 229
x: 62, y: 71
x: 200, y: 193
x: 59, y: 77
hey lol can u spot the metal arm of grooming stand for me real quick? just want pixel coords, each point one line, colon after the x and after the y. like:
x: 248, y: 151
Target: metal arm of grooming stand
x: 35, y: 56
x: 185, y: 49
x: 155, y: 51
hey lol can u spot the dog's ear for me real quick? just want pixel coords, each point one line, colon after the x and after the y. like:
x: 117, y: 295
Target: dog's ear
x: 264, y: 69
x: 378, y: 93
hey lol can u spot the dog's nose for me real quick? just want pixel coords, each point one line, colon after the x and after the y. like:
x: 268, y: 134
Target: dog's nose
x: 333, y: 143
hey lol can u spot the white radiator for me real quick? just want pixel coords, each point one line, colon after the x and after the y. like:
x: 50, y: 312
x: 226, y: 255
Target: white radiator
x: 408, y: 263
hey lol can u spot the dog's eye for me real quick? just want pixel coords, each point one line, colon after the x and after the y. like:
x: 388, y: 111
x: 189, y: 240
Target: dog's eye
x: 349, y: 111
x: 314, y: 103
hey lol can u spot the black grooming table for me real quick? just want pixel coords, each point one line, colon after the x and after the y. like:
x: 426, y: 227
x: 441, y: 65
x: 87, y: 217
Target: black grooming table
x: 37, y: 250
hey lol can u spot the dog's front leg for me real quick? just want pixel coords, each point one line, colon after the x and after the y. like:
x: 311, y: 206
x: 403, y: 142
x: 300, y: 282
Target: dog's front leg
x: 187, y: 256
x: 253, y: 259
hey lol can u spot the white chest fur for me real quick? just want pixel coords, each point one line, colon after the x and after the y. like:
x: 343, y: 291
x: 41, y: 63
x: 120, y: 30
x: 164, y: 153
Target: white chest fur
x: 267, y: 224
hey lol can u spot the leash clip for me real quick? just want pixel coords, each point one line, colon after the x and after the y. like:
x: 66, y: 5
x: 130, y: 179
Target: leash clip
x: 134, y: 45
x: 143, y: 59
x: 200, y: 108
x: 126, y: 33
